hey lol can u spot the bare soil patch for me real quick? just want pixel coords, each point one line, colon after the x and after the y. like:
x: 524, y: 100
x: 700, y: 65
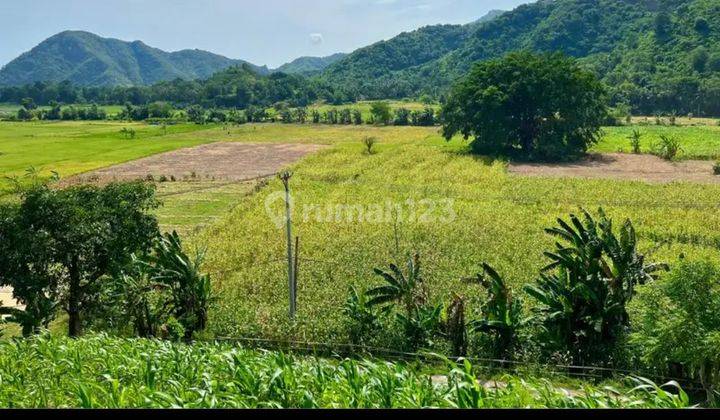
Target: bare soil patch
x: 621, y: 166
x: 216, y: 161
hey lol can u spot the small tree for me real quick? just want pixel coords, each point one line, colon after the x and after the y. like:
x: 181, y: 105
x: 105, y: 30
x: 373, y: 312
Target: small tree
x: 59, y: 245
x: 381, y: 113
x: 527, y: 105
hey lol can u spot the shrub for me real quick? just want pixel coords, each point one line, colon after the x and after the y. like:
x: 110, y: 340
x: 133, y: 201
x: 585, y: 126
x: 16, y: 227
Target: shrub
x: 362, y: 321
x: 677, y: 324
x: 668, y: 148
x: 527, y: 105
x: 381, y: 113
x: 369, y: 143
x: 583, y: 292
x: 716, y: 168
x: 635, y: 138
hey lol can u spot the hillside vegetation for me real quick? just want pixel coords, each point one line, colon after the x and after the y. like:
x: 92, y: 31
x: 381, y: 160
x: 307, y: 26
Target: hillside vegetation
x: 656, y: 55
x: 86, y: 59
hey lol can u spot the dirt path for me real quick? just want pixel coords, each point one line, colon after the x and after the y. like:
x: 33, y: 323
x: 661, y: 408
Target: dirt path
x: 621, y: 166
x: 216, y: 161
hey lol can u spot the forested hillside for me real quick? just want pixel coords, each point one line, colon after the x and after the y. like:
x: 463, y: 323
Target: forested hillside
x: 309, y: 66
x: 657, y: 55
x: 86, y: 59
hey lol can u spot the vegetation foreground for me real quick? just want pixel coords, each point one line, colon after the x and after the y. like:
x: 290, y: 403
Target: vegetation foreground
x: 99, y: 371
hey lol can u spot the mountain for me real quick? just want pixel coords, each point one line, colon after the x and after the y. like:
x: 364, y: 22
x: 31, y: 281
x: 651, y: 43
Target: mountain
x: 653, y: 54
x: 309, y: 66
x: 359, y: 70
x: 86, y: 59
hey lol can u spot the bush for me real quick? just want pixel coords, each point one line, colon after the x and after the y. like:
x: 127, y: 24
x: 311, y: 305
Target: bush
x: 527, y: 105
x: 716, y: 168
x: 677, y: 324
x: 668, y: 148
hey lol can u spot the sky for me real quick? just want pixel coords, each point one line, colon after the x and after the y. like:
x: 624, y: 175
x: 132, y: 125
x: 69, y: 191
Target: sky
x: 264, y: 32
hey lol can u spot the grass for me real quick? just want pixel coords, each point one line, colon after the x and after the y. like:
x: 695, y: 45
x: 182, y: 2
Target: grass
x: 500, y: 219
x: 99, y: 371
x: 697, y: 142
x: 74, y: 147
x: 188, y: 207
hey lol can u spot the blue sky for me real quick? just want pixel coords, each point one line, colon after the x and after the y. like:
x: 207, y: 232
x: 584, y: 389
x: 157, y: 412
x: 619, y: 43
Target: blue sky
x: 268, y: 32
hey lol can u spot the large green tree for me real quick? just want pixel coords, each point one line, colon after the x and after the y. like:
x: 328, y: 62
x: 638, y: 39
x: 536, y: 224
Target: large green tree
x: 536, y: 106
x: 58, y: 245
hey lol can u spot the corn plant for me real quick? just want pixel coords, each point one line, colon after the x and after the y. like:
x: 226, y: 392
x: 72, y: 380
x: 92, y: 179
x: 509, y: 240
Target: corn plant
x: 635, y: 138
x: 667, y: 148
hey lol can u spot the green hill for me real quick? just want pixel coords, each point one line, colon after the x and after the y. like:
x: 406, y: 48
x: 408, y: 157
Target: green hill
x: 86, y: 59
x: 653, y: 54
x: 309, y: 66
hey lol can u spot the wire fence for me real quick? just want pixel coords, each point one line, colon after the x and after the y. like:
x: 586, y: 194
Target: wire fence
x: 347, y: 350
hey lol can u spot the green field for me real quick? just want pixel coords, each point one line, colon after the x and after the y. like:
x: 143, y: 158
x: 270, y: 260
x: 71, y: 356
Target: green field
x: 101, y: 372
x: 698, y: 142
x: 70, y: 148
x: 499, y: 218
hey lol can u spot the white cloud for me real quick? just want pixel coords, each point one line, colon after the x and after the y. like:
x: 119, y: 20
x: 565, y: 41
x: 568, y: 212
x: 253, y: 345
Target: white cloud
x: 316, y: 39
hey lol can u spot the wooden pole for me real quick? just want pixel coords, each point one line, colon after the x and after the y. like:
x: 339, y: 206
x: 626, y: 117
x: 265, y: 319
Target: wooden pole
x: 285, y: 178
x: 296, y: 270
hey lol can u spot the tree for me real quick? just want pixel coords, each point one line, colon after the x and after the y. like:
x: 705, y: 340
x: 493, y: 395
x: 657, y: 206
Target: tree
x: 60, y: 244
x: 381, y: 113
x: 527, y: 105
x: 700, y: 58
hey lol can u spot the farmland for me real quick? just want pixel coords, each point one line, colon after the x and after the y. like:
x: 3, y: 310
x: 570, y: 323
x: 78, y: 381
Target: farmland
x: 498, y: 217
x: 100, y: 371
x: 468, y: 210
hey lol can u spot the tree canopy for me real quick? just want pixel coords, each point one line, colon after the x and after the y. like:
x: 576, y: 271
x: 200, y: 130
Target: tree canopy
x: 532, y: 106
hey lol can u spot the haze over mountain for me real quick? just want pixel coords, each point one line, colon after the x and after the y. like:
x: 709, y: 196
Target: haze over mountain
x: 86, y: 59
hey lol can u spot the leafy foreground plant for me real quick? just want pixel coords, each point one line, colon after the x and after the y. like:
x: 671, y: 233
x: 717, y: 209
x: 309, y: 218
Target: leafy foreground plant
x: 678, y: 325
x: 99, y: 371
x: 593, y: 277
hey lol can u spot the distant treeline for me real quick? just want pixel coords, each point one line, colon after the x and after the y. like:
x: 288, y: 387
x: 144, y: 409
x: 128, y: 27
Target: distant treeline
x: 380, y: 114
x: 237, y: 87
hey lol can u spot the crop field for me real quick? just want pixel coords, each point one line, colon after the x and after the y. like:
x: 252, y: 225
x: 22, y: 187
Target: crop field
x: 70, y: 148
x: 697, y: 142
x: 99, y: 371
x: 476, y: 213
x: 357, y: 211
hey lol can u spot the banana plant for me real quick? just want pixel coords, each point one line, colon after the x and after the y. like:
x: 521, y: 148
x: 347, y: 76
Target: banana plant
x: 584, y: 290
x: 502, y: 312
x: 404, y: 288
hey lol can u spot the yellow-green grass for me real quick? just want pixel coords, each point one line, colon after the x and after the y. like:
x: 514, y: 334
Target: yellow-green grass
x: 70, y: 148
x: 188, y: 207
x: 697, y: 142
x: 500, y: 219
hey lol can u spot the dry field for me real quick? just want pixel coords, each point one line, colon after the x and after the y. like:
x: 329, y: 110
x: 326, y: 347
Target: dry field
x: 622, y: 166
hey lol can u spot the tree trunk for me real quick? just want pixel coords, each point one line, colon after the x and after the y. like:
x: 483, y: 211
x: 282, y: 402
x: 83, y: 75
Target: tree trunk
x: 74, y: 325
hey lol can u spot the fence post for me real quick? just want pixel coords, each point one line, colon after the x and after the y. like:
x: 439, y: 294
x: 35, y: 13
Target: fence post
x: 285, y: 178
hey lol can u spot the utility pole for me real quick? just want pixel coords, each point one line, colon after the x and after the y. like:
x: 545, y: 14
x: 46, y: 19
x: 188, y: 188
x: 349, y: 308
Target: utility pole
x: 285, y: 178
